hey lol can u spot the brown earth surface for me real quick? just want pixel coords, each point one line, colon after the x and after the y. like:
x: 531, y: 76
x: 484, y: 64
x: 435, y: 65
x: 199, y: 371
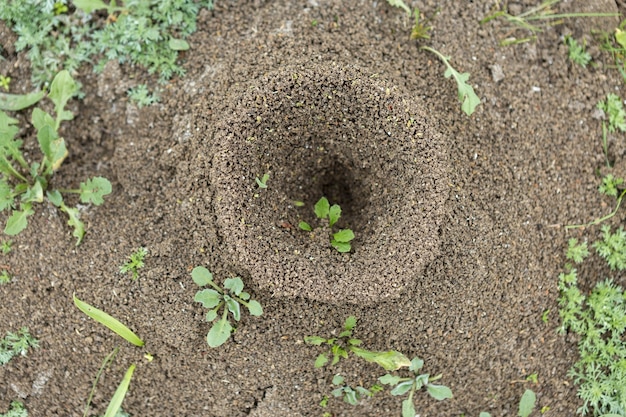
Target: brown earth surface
x: 458, y: 219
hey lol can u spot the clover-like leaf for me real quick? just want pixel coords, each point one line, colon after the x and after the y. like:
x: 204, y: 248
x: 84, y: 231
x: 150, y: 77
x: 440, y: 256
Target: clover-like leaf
x: 94, y: 189
x: 234, y: 285
x: 322, y: 208
x: 201, y: 276
x: 208, y: 297
x: 219, y: 333
x: 255, y: 308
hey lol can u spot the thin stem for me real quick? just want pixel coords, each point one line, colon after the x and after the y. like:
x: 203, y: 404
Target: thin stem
x: 571, y: 15
x: 601, y: 219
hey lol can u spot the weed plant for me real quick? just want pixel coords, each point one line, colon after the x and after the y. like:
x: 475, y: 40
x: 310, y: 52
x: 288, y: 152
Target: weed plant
x: 324, y: 211
x: 351, y: 395
x: 576, y: 52
x: 141, y: 96
x: 17, y: 410
x: 135, y: 263
x: 5, y: 277
x: 15, y: 344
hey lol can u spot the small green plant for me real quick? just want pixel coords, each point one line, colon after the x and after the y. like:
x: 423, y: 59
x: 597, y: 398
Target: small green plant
x: 576, y: 252
x: 262, y: 183
x: 31, y: 181
x: 141, y: 96
x: 610, y: 185
x: 545, y: 316
x: 323, y: 210
x: 420, y: 27
x: 134, y: 263
x: 17, y: 410
x: 352, y: 395
x: 615, y: 45
x: 5, y: 277
x: 612, y: 247
x: 231, y: 296
x: 534, y: 378
x: 6, y: 247
x: 576, y: 52
x: 15, y: 344
x: 5, y: 82
x: 526, y: 405
x: 344, y: 343
x: 614, y: 109
x: 415, y: 383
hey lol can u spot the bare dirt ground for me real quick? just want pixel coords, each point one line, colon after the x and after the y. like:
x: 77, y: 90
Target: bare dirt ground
x: 458, y: 219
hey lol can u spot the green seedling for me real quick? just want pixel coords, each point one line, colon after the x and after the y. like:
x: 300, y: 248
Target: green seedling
x: 610, y: 185
x: 5, y: 82
x: 17, y: 410
x: 535, y: 20
x: 6, y: 247
x: 323, y: 210
x: 118, y: 397
x: 615, y: 44
x: 526, y: 405
x: 576, y: 252
x: 545, y: 316
x: 352, y: 395
x: 413, y: 384
x: 141, y: 96
x: 230, y: 297
x: 468, y: 98
x: 108, y: 321
x: 614, y: 109
x: 612, y: 247
x: 420, y: 27
x: 534, y: 378
x: 29, y: 183
x: 15, y: 344
x: 106, y: 362
x: 341, y: 345
x: 135, y: 262
x: 576, y: 52
x: 262, y: 183
x: 5, y: 277
x: 17, y: 102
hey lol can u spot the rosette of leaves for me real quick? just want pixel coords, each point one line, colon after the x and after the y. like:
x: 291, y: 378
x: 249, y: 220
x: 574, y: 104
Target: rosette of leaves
x: 231, y: 297
x: 413, y: 384
x: 323, y: 210
x: 24, y: 183
x: 341, y: 345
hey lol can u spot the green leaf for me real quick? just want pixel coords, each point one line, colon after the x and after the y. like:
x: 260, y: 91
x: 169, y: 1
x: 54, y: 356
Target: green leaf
x: 333, y: 214
x: 620, y: 37
x: 234, y: 285
x: 108, y: 321
x: 341, y: 247
x: 74, y: 221
x: 63, y: 87
x: 401, y: 4
x: 219, y: 333
x: 55, y: 197
x: 416, y: 364
x: 233, y: 307
x: 255, y: 308
x: 178, y: 44
x: 314, y: 340
x: 527, y: 403
x: 211, y: 315
x: 322, y: 208
x: 40, y: 119
x: 33, y: 194
x: 17, y: 102
x: 94, y: 190
x: 350, y: 323
x: 321, y: 360
x: 18, y: 220
x: 208, y: 297
x: 338, y: 380
x: 305, y: 226
x: 120, y: 393
x: 484, y: 414
x: 468, y: 98
x: 344, y: 235
x: 201, y: 276
x: 390, y: 360
x: 349, y: 396
x: 408, y: 409
x: 6, y: 195
x: 244, y: 296
x: 402, y: 388
x: 89, y: 6
x: 389, y: 379
x: 52, y: 147
x: 439, y: 392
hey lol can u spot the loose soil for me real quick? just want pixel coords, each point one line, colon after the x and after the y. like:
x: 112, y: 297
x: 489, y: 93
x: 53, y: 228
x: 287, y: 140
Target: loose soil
x: 458, y: 219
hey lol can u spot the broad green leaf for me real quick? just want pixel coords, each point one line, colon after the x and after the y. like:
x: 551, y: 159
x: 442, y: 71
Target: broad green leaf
x: 120, y: 393
x: 17, y: 102
x: 416, y: 364
x: 255, y: 308
x: 344, y: 235
x: 208, y: 297
x: 314, y: 340
x: 322, y: 208
x: 342, y: 247
x: 439, y: 392
x: 33, y: 194
x: 244, y: 296
x: 89, y: 6
x: 527, y: 403
x: 211, y: 315
x: 52, y: 147
x: 219, y: 333
x: 620, y: 37
x: 408, y: 409
x: 321, y: 360
x: 234, y: 285
x: 468, y: 98
x: 178, y: 44
x: 108, y: 321
x: 6, y: 195
x: 350, y: 323
x: 390, y: 360
x: 305, y: 226
x: 94, y: 190
x: 402, y: 388
x: 401, y: 4
x: 18, y: 220
x: 40, y: 119
x: 233, y: 306
x: 338, y: 379
x: 55, y: 197
x: 389, y: 379
x: 201, y: 276
x: 74, y: 221
x: 334, y: 214
x: 62, y: 88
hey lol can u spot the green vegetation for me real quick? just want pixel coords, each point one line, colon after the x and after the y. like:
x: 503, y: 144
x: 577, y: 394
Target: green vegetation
x: 5, y: 82
x: 610, y: 185
x: 231, y: 296
x: 29, y: 182
x: 134, y: 263
x: 599, y: 319
x: 141, y: 96
x: 17, y: 410
x: 614, y: 109
x: 576, y: 52
x: 5, y: 277
x: 262, y: 183
x: 15, y: 344
x: 323, y: 210
x: 352, y: 395
x: 413, y: 384
x: 341, y: 345
x: 6, y: 247
x: 115, y: 404
x: 526, y: 405
x: 148, y: 33
x: 615, y: 45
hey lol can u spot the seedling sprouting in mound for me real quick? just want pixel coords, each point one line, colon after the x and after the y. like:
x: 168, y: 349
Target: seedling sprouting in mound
x: 352, y: 395
x: 413, y: 384
x: 323, y: 210
x: 135, y: 262
x: 30, y: 181
x: 15, y: 344
x: 341, y: 345
x: 231, y: 296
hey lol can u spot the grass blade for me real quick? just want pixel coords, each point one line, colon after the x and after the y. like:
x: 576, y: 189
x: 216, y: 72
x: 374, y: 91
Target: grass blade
x: 108, y: 321
x: 120, y: 393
